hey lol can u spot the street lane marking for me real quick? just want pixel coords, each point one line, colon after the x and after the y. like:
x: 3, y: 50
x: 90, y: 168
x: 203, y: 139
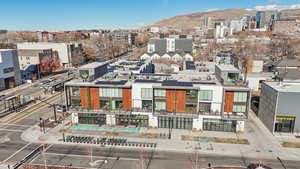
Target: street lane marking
x: 61, y: 166
x: 17, y: 152
x: 4, y: 129
x: 85, y: 156
x: 15, y: 125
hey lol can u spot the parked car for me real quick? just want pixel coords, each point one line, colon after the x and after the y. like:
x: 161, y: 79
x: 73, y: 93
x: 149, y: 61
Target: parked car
x: 61, y: 108
x: 43, y: 82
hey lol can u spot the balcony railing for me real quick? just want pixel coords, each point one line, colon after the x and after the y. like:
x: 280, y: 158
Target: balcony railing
x: 98, y: 111
x: 234, y: 115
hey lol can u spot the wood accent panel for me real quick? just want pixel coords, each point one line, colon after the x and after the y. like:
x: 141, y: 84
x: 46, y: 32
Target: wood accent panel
x: 175, y: 100
x: 170, y: 100
x: 180, y: 101
x: 126, y: 99
x: 229, y: 96
x: 83, y: 98
x: 95, y: 98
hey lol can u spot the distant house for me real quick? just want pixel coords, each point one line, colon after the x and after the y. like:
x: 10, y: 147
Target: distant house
x: 177, y: 57
x: 188, y: 57
x: 166, y: 56
x: 145, y: 56
x: 155, y: 56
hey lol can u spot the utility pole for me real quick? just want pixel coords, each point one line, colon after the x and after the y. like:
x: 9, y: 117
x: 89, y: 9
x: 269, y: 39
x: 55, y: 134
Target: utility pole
x: 54, y: 108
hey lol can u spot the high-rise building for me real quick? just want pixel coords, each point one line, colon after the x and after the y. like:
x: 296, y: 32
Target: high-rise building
x: 208, y: 22
x: 261, y: 19
x: 276, y: 16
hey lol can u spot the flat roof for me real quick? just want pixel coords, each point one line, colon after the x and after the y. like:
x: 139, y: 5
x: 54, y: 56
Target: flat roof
x: 285, y: 86
x: 3, y: 50
x: 227, y: 67
x: 92, y: 65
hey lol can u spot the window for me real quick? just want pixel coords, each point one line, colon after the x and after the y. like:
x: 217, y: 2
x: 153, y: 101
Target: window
x: 147, y: 104
x: 205, y: 95
x: 190, y: 108
x: 75, y: 91
x: 160, y: 93
x: 192, y: 93
x: 240, y: 96
x: 160, y: 105
x: 239, y: 108
x: 233, y: 76
x: 147, y: 93
x: 204, y: 107
x: 8, y: 70
x: 110, y: 92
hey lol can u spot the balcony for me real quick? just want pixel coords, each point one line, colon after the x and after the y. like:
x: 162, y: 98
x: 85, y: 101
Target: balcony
x: 235, y: 116
x: 98, y: 111
x: 209, y: 113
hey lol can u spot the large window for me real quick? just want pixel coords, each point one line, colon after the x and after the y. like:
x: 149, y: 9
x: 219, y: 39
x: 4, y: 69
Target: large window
x: 147, y: 93
x: 175, y: 122
x: 111, y: 104
x: 160, y: 93
x: 233, y: 76
x: 239, y: 108
x: 205, y: 107
x: 136, y: 120
x: 75, y: 91
x: 190, y: 108
x: 240, y: 96
x: 160, y: 106
x: 192, y: 94
x: 110, y: 92
x: 147, y: 105
x: 284, y: 123
x: 219, y: 125
x: 89, y: 118
x: 8, y: 70
x: 205, y: 95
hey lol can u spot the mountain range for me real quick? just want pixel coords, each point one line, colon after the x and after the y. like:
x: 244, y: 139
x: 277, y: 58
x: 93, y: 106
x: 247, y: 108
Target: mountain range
x: 190, y: 21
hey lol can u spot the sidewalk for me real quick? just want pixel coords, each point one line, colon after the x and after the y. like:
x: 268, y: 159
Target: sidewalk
x: 265, y: 146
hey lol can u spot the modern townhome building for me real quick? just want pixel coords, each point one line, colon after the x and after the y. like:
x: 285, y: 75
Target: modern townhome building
x: 10, y: 75
x: 34, y: 63
x: 160, y: 45
x: 279, y: 106
x: 69, y: 54
x: 156, y: 100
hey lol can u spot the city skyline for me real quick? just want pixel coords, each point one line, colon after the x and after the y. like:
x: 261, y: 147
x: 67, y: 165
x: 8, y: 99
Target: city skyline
x: 91, y: 14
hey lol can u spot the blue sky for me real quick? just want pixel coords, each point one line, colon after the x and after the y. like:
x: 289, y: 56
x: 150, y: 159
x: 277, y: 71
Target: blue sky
x: 88, y: 14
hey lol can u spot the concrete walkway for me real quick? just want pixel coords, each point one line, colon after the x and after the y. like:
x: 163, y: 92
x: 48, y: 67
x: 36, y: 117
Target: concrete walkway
x: 263, y: 145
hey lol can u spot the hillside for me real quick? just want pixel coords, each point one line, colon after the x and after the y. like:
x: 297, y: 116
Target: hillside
x: 189, y: 21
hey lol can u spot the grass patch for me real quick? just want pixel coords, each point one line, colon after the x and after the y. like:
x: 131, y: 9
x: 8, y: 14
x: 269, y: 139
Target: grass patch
x: 64, y: 131
x: 150, y: 135
x: 215, y: 139
x: 231, y: 140
x: 291, y: 144
x: 111, y: 134
x: 190, y: 138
